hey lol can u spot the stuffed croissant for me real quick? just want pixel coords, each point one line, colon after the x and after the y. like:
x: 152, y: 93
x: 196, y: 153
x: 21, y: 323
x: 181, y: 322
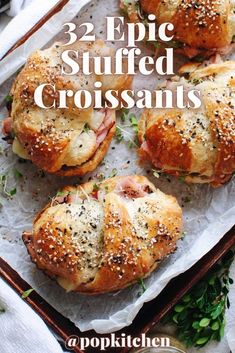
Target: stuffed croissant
x: 197, y: 144
x: 207, y: 25
x: 99, y: 238
x: 64, y: 141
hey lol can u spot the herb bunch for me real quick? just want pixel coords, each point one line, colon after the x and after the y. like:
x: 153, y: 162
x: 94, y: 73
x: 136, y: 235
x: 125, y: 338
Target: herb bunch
x: 200, y: 315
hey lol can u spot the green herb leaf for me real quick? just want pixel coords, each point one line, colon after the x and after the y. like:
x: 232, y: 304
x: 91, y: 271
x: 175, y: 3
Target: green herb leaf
x: 27, y: 293
x: 131, y: 144
x: 175, y: 318
x: 222, y: 330
x: 186, y: 199
x: 13, y: 192
x: 86, y: 128
x: 156, y: 173
x: 202, y: 341
x: 181, y: 178
x: 134, y: 122
x: 122, y: 134
x: 113, y: 173
x: 175, y: 44
x: 119, y: 135
x: 218, y: 310
x: 124, y: 115
x: 179, y: 308
x: 186, y: 298
x: 9, y: 99
x: 3, y: 187
x: 142, y: 284
x: 204, y: 322
x: 17, y: 174
x: 196, y: 325
x: 215, y: 326
x: 96, y: 187
x: 60, y: 193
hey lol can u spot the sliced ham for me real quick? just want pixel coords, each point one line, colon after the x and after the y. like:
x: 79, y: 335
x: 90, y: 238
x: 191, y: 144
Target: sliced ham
x: 145, y: 147
x: 129, y: 188
x: 227, y: 50
x: 122, y: 5
x: 148, y: 150
x: 101, y: 136
x: 7, y: 126
x: 216, y: 59
x: 192, y: 52
x: 60, y: 199
x: 104, y: 127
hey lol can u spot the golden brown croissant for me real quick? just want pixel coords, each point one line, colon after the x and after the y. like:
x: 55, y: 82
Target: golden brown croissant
x: 199, y: 24
x: 64, y: 141
x: 197, y: 144
x: 99, y: 238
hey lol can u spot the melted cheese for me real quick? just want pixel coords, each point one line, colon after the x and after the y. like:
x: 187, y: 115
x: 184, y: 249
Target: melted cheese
x: 18, y: 149
x: 80, y: 149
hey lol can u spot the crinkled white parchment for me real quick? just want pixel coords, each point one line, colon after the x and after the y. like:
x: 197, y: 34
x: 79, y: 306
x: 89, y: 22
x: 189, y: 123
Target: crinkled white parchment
x: 230, y: 315
x: 208, y: 215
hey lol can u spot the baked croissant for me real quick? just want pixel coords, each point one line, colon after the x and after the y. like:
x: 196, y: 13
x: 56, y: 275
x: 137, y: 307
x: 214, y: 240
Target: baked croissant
x: 63, y: 141
x: 197, y: 144
x: 198, y: 24
x: 100, y: 238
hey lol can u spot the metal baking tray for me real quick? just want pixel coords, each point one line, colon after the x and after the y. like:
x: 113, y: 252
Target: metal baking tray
x: 152, y: 312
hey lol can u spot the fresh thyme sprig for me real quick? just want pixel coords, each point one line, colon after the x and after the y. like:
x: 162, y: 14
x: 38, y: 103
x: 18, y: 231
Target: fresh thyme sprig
x: 96, y: 187
x: 3, y: 187
x: 27, y: 293
x: 114, y: 173
x: 17, y: 174
x: 127, y: 120
x: 8, y: 101
x: 156, y: 173
x: 200, y: 315
x: 86, y: 128
x: 142, y: 285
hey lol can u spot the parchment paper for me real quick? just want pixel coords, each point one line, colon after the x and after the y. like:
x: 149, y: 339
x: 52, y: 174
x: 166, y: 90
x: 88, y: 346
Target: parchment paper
x: 230, y: 315
x: 208, y: 215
